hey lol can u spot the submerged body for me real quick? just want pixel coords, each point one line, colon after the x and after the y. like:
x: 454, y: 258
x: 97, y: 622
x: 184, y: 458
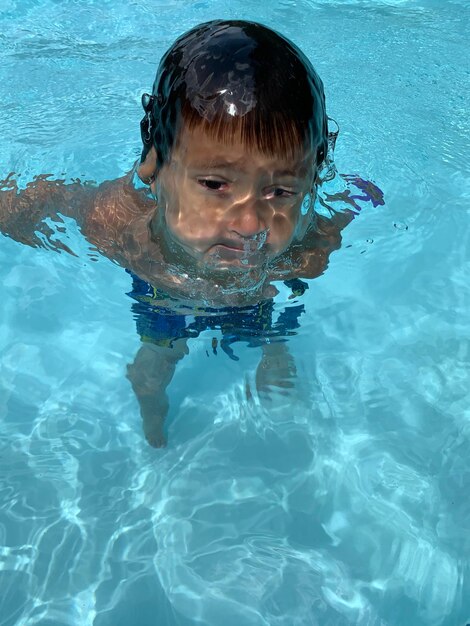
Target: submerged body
x: 124, y: 223
x: 221, y: 205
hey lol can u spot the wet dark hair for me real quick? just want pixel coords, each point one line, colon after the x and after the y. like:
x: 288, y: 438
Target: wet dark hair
x: 236, y: 78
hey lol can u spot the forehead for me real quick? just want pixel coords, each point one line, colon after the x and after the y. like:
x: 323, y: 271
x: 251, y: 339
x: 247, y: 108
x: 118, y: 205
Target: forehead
x: 197, y: 148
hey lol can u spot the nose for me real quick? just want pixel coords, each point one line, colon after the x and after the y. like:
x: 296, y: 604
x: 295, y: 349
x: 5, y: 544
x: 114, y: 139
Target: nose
x: 247, y: 220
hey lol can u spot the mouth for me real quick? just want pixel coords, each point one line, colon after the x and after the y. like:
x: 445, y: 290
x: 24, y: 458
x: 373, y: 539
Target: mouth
x: 236, y: 254
x: 246, y: 245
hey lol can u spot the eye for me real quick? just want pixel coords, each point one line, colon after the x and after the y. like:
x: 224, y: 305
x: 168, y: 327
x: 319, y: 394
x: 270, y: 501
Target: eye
x: 212, y: 185
x: 281, y: 192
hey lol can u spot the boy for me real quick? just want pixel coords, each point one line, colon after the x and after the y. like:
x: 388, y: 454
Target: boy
x: 220, y: 205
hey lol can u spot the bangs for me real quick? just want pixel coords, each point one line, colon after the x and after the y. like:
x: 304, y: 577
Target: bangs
x: 272, y: 133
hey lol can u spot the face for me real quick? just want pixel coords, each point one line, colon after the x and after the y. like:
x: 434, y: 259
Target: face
x: 229, y: 207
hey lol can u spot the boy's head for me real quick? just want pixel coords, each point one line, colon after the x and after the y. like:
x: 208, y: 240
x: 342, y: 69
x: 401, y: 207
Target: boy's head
x: 233, y: 136
x: 236, y: 78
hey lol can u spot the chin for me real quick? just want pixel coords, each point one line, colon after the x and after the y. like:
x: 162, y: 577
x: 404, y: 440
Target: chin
x: 228, y: 266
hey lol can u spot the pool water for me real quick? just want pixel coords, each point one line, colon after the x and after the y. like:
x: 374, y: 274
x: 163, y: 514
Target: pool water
x: 343, y: 502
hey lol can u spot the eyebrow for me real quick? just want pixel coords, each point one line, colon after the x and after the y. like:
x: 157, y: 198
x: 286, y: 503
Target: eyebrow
x: 239, y: 165
x: 219, y: 164
x: 291, y: 173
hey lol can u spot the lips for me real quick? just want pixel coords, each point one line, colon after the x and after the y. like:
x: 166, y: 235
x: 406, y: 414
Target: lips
x: 243, y: 257
x: 224, y: 251
x: 245, y: 247
x: 230, y: 246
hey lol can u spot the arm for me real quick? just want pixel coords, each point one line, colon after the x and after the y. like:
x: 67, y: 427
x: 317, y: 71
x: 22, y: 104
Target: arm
x: 150, y: 375
x: 311, y: 259
x: 22, y: 213
x: 342, y: 207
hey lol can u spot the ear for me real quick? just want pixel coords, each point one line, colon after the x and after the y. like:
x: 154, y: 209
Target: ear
x: 306, y: 216
x: 147, y: 171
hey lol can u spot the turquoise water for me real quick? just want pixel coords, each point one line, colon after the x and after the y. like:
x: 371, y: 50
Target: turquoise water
x: 344, y: 503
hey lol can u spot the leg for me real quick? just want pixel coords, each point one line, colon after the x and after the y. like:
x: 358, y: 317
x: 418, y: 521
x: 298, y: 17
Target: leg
x: 276, y: 369
x: 150, y: 375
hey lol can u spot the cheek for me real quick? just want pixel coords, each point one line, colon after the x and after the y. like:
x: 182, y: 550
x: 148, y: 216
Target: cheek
x: 187, y: 219
x: 282, y: 228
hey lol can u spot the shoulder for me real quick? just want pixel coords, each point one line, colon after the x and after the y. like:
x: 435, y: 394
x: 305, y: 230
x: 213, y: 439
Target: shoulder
x: 116, y: 209
x: 309, y: 258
